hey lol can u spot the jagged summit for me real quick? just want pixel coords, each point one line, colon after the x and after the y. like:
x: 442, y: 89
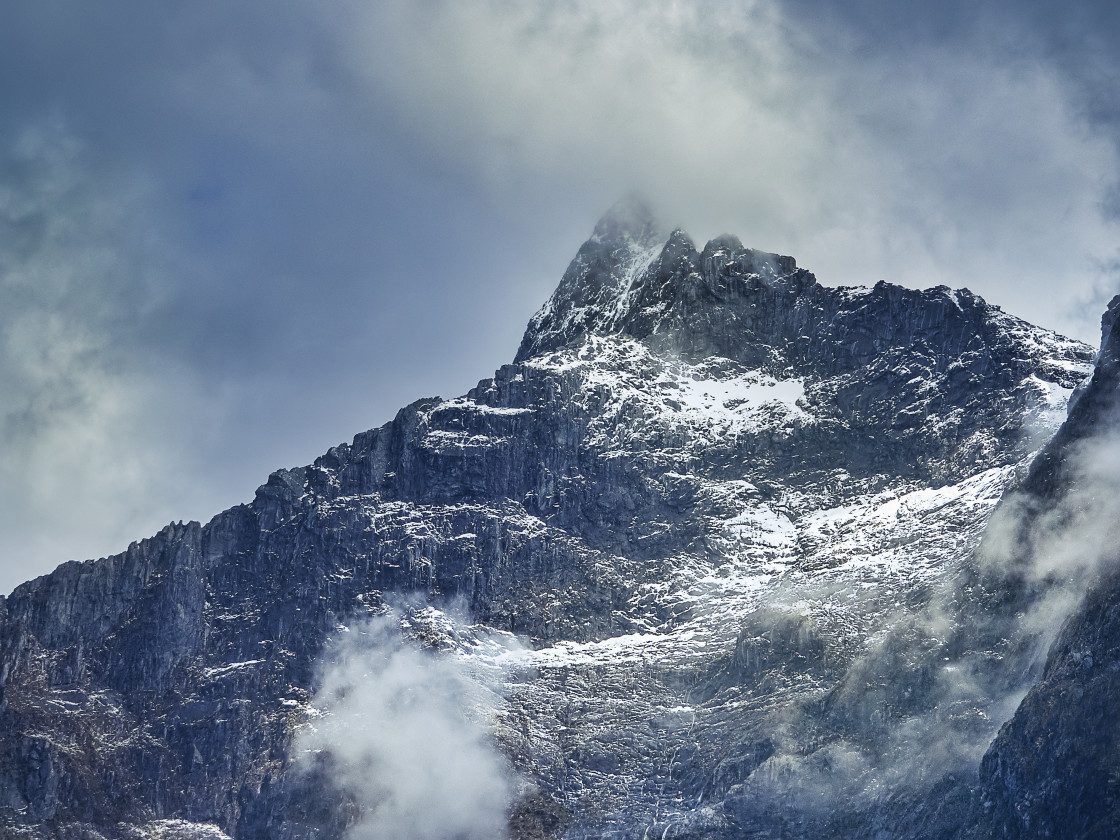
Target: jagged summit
x: 630, y: 219
x: 633, y: 269
x: 760, y: 309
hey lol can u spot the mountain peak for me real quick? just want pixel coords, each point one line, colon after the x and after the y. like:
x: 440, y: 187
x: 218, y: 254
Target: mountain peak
x: 630, y: 220
x: 634, y: 275
x: 768, y: 486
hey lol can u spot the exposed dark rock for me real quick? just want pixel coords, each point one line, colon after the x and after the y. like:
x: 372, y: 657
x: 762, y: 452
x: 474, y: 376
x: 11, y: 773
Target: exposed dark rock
x: 1054, y: 769
x: 538, y: 816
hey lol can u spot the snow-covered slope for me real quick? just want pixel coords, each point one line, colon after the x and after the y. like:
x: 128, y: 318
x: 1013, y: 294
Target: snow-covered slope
x: 703, y: 556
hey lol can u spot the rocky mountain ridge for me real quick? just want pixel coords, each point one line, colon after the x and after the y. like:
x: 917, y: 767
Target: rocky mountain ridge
x: 697, y: 530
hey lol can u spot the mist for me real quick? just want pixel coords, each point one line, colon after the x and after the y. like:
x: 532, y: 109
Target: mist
x: 919, y: 707
x: 403, y: 731
x: 1048, y: 551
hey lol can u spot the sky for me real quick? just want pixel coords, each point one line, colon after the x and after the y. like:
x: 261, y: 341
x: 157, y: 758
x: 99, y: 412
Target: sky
x: 234, y: 235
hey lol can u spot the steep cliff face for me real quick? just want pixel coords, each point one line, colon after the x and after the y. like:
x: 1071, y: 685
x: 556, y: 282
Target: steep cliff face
x: 1054, y: 769
x: 720, y: 504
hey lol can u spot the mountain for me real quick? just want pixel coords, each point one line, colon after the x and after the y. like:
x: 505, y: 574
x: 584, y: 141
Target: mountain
x: 704, y: 561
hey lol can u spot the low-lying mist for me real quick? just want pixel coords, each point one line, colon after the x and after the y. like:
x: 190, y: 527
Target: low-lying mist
x: 403, y: 733
x: 919, y: 707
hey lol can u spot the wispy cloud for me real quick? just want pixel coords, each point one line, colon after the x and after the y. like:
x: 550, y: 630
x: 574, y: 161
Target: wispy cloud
x: 1049, y: 550
x: 88, y: 424
x: 948, y: 162
x: 404, y: 733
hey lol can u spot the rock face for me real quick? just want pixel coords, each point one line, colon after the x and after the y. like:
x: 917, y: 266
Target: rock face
x: 1054, y: 769
x: 713, y: 531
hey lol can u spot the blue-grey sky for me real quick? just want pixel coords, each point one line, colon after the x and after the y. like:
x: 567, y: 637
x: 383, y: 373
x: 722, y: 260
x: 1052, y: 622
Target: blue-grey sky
x: 233, y: 235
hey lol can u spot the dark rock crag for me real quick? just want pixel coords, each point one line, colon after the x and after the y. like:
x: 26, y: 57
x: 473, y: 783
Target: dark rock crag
x: 1054, y: 768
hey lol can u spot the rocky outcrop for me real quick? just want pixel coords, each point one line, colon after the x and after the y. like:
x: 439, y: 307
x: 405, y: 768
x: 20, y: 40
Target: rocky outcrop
x: 1054, y: 769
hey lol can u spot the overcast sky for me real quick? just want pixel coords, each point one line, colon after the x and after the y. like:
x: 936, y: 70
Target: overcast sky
x: 233, y: 235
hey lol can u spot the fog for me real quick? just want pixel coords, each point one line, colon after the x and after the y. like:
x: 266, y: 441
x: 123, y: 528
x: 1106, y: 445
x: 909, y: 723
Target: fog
x: 925, y: 699
x: 403, y: 732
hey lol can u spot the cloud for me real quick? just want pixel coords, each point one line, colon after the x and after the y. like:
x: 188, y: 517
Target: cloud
x: 404, y: 731
x: 1051, y: 550
x: 948, y: 162
x: 88, y: 427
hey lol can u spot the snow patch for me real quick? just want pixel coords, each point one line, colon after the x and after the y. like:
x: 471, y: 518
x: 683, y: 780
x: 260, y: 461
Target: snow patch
x: 223, y: 670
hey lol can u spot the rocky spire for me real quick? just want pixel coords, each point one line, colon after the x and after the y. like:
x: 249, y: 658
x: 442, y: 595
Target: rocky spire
x: 1095, y: 406
x: 630, y: 221
x: 591, y: 294
x: 634, y: 275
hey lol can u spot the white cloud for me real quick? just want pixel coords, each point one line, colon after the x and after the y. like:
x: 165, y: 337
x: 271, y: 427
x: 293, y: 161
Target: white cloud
x: 954, y: 163
x: 1055, y: 549
x: 93, y: 436
x: 404, y: 732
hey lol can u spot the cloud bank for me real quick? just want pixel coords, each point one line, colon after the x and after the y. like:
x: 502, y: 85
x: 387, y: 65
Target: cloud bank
x: 85, y: 416
x: 920, y: 163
